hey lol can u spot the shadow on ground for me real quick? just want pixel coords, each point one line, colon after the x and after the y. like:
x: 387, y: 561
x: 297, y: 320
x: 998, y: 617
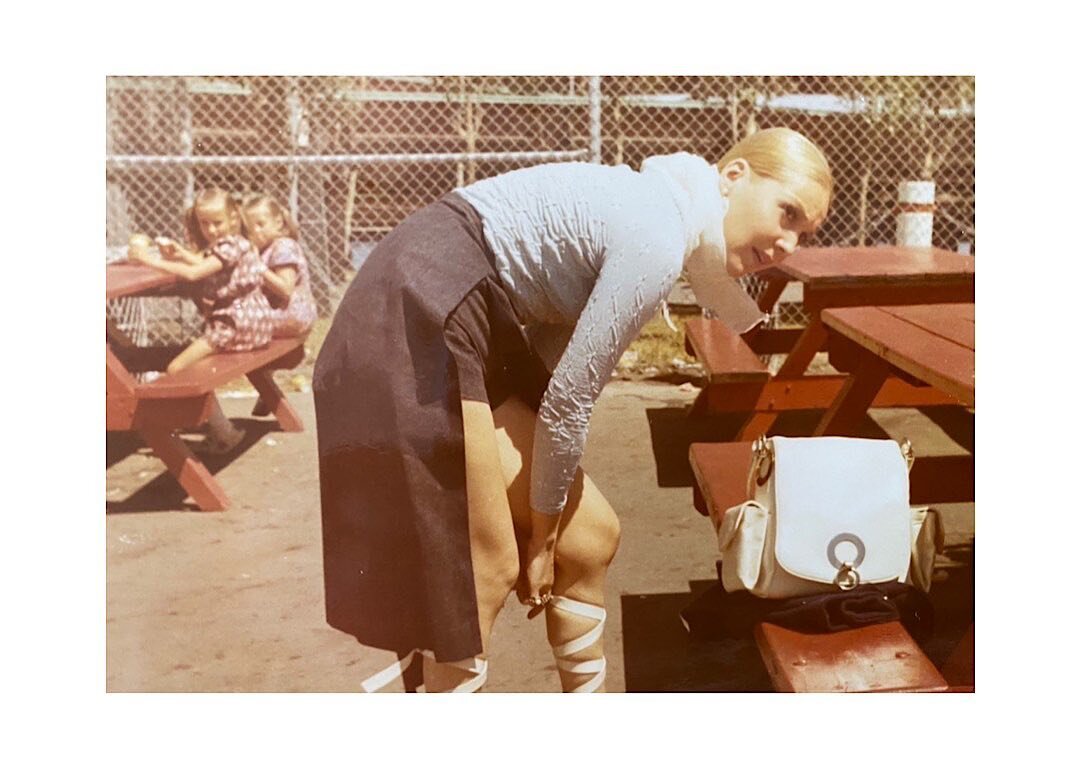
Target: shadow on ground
x: 164, y: 493
x: 659, y: 655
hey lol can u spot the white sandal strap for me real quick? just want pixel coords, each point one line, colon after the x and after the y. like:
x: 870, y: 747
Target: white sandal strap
x: 587, y: 610
x: 593, y: 683
x: 580, y: 609
x: 581, y: 667
x: 475, y: 664
x: 382, y: 679
x: 597, y: 666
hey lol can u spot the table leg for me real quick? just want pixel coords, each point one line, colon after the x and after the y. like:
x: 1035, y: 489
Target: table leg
x: 756, y: 426
x: 773, y: 290
x: 810, y: 342
x: 858, y: 393
x: 275, y: 400
x: 802, y: 354
x: 191, y: 473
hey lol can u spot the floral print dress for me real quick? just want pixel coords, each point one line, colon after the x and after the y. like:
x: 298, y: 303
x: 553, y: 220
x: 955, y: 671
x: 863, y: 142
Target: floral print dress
x: 297, y: 317
x: 239, y: 317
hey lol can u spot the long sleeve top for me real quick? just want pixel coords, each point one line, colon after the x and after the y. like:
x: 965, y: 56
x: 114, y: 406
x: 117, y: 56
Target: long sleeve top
x: 587, y: 254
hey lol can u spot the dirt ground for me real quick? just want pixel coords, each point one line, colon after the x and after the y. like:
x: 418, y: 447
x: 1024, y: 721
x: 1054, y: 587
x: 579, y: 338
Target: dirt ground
x: 232, y: 601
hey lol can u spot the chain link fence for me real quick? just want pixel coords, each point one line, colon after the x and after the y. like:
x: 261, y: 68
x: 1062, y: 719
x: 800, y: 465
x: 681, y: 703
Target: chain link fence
x: 352, y: 156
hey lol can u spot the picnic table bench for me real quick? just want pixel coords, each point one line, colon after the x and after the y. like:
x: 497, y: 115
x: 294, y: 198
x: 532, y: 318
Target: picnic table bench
x: 737, y: 380
x: 875, y: 658
x: 156, y: 409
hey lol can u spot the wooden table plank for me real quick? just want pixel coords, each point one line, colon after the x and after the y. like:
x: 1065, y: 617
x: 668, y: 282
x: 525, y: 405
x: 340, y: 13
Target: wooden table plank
x: 891, y: 264
x: 957, y: 326
x: 124, y: 278
x: 942, y: 363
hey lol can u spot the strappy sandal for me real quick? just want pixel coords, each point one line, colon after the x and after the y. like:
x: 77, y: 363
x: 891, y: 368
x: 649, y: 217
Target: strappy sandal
x: 562, y: 652
x: 476, y: 666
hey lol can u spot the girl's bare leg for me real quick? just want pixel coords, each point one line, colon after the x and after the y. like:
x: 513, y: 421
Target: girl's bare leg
x: 222, y: 434
x: 193, y: 353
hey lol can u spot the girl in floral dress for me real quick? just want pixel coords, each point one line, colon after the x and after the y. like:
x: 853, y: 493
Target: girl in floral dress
x: 286, y: 281
x: 229, y: 272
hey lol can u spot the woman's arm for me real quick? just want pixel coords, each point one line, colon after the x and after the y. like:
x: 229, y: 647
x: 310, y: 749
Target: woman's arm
x: 633, y: 281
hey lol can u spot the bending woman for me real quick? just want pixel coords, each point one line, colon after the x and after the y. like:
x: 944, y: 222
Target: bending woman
x: 454, y: 390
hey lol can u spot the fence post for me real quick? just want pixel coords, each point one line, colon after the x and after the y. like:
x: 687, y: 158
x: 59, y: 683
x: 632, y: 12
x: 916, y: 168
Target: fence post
x: 187, y: 140
x: 296, y: 140
x: 594, y: 119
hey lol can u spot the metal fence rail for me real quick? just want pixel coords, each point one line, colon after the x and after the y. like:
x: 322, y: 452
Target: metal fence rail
x: 352, y: 156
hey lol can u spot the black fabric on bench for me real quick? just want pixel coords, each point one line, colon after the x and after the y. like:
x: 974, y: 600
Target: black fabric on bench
x: 717, y: 614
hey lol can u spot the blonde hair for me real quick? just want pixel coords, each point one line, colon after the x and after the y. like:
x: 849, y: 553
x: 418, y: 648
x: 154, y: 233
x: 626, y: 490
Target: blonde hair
x: 784, y: 155
x: 275, y: 208
x: 204, y: 199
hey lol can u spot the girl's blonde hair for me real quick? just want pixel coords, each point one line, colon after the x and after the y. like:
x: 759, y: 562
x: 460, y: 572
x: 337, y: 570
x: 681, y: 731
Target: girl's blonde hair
x: 275, y: 208
x: 784, y: 155
x: 212, y: 196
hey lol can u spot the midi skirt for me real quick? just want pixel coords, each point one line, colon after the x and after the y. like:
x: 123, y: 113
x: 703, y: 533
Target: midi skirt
x: 425, y: 323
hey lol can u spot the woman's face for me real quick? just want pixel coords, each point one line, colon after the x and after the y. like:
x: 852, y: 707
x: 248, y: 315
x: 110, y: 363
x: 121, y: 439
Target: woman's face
x: 766, y: 218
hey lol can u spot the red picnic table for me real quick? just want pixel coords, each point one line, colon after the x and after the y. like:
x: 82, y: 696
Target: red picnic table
x: 156, y: 409
x: 831, y: 277
x: 933, y: 344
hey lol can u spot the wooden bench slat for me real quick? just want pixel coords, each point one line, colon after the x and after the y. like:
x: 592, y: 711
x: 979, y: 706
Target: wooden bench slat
x: 219, y: 369
x: 724, y: 354
x: 871, y: 659
x: 720, y: 470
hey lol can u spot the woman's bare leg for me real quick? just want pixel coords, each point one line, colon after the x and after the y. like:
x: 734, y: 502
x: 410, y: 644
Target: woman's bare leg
x: 587, y: 540
x: 491, y: 534
x: 498, y: 455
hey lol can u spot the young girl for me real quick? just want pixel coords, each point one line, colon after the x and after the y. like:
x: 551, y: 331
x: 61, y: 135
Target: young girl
x: 454, y: 389
x: 229, y: 272
x: 285, y: 282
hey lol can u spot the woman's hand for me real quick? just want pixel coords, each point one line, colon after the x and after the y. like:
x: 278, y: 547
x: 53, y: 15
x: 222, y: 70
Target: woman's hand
x: 538, y: 563
x: 537, y: 574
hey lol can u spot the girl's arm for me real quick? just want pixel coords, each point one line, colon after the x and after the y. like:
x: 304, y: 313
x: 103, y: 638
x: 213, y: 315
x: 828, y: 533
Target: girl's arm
x: 190, y: 272
x: 280, y: 282
x: 172, y: 250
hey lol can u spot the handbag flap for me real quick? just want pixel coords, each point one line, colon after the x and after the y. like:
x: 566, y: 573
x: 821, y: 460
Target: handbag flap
x: 841, y: 500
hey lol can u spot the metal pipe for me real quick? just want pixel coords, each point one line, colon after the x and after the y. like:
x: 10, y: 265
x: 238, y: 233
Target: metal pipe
x: 122, y: 161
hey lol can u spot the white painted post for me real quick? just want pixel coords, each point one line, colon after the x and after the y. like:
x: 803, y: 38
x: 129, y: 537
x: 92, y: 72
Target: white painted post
x: 915, y: 215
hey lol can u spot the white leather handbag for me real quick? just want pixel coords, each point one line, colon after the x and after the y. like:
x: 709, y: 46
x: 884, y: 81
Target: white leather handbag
x: 827, y: 514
